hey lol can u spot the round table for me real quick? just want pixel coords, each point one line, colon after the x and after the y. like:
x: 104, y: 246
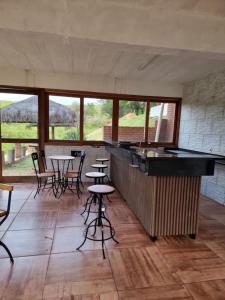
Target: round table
x: 65, y: 162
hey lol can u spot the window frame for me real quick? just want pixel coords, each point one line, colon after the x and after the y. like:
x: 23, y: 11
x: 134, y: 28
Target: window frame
x: 43, y: 119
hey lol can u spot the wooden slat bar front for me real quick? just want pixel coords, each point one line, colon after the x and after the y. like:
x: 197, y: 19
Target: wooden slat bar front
x: 165, y: 205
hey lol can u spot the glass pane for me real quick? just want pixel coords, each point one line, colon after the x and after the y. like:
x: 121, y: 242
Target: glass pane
x: 19, y: 115
x: 16, y: 159
x: 131, y: 121
x: 64, y: 118
x: 97, y: 119
x: 161, y: 122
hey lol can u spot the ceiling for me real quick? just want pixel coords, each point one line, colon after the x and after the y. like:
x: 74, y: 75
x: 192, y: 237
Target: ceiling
x: 54, y: 52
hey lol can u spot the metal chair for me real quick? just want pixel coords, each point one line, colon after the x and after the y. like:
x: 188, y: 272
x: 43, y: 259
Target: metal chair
x: 43, y: 175
x: 77, y: 153
x: 4, y: 215
x: 44, y: 162
x: 74, y: 175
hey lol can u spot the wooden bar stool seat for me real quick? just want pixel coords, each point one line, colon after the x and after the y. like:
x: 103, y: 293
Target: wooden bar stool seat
x: 3, y: 213
x: 100, y: 222
x: 100, y: 167
x: 102, y: 160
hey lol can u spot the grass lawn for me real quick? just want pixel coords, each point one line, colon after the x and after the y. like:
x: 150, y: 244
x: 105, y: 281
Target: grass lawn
x: 20, y: 168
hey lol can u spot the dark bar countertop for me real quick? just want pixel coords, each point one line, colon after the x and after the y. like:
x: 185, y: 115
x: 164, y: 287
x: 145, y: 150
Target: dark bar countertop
x: 167, y: 161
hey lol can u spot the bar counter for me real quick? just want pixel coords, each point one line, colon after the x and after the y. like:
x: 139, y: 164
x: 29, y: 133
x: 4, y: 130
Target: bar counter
x: 161, y: 186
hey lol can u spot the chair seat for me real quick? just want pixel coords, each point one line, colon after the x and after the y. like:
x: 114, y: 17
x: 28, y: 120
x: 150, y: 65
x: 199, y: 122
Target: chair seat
x: 45, y: 175
x: 71, y: 174
x: 3, y: 213
x: 101, y: 189
x: 95, y: 174
x: 99, y: 166
x: 49, y: 171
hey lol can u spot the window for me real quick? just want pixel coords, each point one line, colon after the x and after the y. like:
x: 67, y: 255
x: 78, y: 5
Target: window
x: 161, y: 122
x: 97, y: 119
x: 22, y: 132
x: 64, y: 118
x: 16, y: 159
x: 132, y: 116
x: 19, y: 115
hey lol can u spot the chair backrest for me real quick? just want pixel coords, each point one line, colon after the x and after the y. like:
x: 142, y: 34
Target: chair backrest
x: 76, y: 153
x: 9, y: 188
x: 35, y: 160
x: 43, y: 159
x: 82, y: 158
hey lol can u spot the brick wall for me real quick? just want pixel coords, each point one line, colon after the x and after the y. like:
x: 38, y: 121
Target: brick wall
x: 202, y: 126
x: 136, y: 134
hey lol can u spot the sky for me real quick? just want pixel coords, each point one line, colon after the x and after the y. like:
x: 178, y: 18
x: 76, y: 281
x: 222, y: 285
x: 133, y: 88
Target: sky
x: 58, y: 99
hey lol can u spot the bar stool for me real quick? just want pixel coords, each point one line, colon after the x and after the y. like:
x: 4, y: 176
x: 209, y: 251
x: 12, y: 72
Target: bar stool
x: 100, y: 167
x: 100, y: 190
x: 102, y: 160
x: 92, y: 199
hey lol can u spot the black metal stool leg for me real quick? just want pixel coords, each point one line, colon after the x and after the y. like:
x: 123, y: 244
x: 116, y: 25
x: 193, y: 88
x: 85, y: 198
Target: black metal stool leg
x: 86, y: 204
x: 103, y: 251
x: 111, y: 229
x: 89, y: 209
x: 86, y: 234
x: 7, y: 250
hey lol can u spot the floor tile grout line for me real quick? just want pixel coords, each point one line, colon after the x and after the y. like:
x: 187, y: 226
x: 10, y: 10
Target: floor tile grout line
x: 110, y: 265
x: 50, y: 252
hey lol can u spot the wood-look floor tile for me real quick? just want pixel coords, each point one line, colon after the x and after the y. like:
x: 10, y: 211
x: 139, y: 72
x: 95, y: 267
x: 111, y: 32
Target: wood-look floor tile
x: 17, y: 194
x: 40, y: 206
x: 217, y: 247
x: 194, y: 262
x: 209, y: 290
x: 78, y: 267
x: 37, y: 220
x: 24, y: 280
x: 162, y: 292
x: 69, y: 219
x: 103, y: 296
x: 119, y: 214
x: 28, y: 242
x: 16, y: 205
x: 67, y: 239
x: 44, y: 195
x: 211, y: 230
x: 139, y: 268
x: 71, y: 203
x: 8, y: 221
x: 94, y: 289
x: 129, y: 235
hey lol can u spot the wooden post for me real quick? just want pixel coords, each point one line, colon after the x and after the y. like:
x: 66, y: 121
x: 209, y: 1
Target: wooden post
x: 18, y: 150
x: 53, y: 132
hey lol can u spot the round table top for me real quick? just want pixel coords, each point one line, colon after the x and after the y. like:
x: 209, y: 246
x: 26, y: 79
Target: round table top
x: 100, y: 166
x: 95, y: 174
x: 101, y: 189
x: 61, y: 157
x: 102, y: 159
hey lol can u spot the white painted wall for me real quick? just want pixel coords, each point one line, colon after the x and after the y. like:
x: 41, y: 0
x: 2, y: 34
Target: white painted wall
x: 17, y: 77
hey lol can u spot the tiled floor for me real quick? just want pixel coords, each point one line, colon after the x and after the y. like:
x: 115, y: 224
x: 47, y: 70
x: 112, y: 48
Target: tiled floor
x: 43, y: 234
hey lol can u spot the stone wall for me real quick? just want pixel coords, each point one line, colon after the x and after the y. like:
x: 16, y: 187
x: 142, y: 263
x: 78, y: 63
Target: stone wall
x: 202, y: 126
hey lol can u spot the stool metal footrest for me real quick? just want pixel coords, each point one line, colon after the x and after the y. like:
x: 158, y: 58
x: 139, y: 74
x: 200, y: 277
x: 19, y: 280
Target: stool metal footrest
x: 98, y: 222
